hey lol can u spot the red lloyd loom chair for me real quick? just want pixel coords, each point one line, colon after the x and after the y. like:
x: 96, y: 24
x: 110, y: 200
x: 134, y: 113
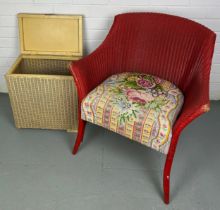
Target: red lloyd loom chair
x: 169, y: 47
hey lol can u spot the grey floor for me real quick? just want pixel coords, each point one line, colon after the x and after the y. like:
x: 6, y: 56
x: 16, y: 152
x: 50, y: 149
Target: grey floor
x: 38, y: 171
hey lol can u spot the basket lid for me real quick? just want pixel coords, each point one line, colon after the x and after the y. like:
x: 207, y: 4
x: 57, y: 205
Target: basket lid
x: 49, y: 34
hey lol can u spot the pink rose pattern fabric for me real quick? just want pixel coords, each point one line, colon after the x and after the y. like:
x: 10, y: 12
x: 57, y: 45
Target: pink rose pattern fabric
x: 141, y: 107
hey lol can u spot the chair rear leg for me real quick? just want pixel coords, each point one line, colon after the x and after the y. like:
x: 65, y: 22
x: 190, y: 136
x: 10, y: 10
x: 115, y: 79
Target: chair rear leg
x: 80, y: 134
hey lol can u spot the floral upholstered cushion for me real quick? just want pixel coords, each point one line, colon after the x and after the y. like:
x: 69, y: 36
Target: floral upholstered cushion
x: 141, y: 107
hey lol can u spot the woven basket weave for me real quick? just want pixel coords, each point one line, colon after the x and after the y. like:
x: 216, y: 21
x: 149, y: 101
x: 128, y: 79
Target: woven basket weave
x: 41, y: 89
x: 43, y: 94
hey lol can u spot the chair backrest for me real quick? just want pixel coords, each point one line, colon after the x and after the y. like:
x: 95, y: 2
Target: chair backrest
x: 163, y: 45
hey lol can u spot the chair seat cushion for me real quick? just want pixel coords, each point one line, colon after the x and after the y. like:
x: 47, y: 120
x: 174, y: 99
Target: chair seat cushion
x: 139, y: 106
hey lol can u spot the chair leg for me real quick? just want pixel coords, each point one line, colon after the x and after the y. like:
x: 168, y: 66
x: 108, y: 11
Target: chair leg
x: 79, y: 138
x: 166, y: 183
x: 166, y: 175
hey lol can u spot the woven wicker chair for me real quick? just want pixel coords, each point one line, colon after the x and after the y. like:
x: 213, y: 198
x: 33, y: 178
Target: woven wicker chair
x: 174, y: 48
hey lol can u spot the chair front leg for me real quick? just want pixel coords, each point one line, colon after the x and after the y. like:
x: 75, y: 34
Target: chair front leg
x: 167, y: 169
x: 80, y: 134
x: 166, y: 179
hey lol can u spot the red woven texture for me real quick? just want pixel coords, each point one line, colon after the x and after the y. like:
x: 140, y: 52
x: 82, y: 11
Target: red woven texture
x: 171, y: 47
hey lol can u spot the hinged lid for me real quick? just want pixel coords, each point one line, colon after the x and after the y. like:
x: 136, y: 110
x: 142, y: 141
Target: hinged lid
x: 50, y: 34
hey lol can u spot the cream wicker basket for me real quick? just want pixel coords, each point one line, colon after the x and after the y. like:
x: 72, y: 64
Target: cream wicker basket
x: 41, y: 90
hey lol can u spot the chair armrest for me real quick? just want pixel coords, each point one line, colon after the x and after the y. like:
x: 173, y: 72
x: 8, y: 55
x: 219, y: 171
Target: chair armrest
x: 78, y: 70
x: 197, y: 93
x: 90, y: 71
x: 196, y: 102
